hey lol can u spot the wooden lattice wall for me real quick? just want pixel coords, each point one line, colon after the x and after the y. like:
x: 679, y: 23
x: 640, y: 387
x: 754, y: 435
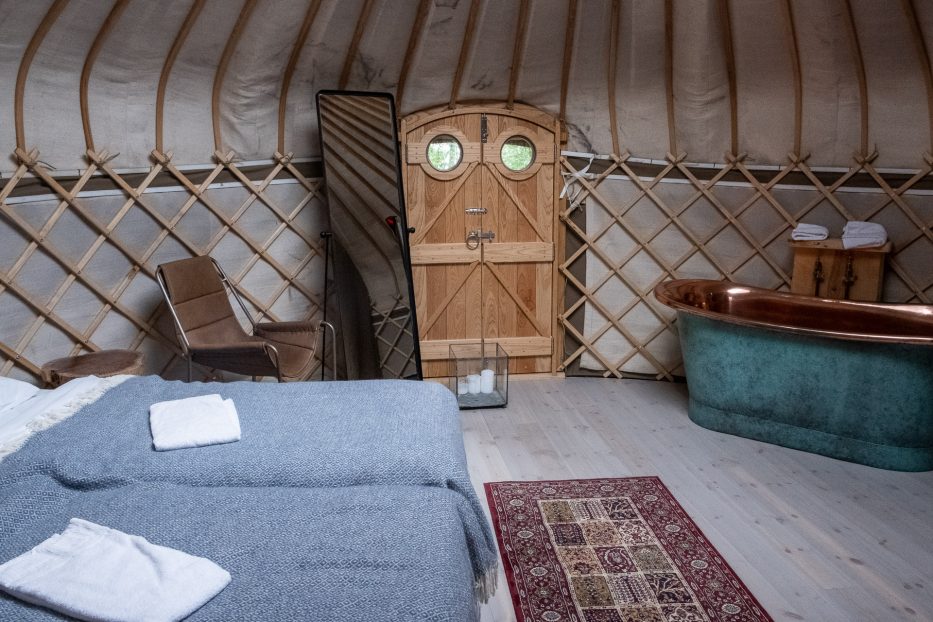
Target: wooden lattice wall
x: 78, y: 272
x: 724, y: 222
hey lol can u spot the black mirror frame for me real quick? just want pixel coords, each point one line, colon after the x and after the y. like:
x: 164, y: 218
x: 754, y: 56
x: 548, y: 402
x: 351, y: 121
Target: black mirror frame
x: 402, y: 229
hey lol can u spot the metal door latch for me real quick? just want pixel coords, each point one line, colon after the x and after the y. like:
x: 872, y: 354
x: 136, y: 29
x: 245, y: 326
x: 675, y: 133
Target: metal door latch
x: 476, y: 236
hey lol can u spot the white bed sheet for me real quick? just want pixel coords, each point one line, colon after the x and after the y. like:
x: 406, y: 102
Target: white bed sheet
x: 48, y: 407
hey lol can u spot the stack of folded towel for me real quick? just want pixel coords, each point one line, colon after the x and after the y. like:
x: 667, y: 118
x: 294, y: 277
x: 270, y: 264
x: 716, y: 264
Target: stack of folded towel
x: 91, y: 572
x: 803, y: 231
x: 858, y: 234
x: 193, y: 422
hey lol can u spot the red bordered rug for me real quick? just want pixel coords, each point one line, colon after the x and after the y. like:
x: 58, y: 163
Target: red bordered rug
x: 611, y: 550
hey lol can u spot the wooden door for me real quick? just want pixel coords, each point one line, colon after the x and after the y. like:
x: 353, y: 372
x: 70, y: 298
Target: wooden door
x: 517, y: 274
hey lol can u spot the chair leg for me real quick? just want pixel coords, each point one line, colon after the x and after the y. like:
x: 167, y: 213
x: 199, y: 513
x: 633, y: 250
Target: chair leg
x: 274, y: 354
x: 189, y: 368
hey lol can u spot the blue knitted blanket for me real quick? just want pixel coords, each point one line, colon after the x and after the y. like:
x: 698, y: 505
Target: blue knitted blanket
x: 333, y: 442
x: 340, y: 554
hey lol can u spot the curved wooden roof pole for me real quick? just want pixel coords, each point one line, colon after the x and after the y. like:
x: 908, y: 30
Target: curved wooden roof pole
x: 518, y: 50
x: 794, y: 47
x: 44, y: 26
x: 862, y: 80
x: 221, y: 72
x: 465, y: 49
x: 569, y: 34
x: 729, y: 52
x: 112, y: 18
x: 669, y: 74
x: 923, y: 56
x: 611, y: 78
x: 306, y: 24
x: 354, y: 47
x: 414, y: 43
x: 177, y: 44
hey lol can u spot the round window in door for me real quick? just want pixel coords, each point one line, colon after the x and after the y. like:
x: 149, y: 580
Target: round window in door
x: 444, y: 153
x: 517, y: 154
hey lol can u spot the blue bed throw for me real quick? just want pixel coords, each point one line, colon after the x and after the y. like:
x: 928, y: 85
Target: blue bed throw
x: 341, y: 498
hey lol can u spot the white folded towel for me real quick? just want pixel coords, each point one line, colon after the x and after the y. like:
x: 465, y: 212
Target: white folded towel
x: 860, y: 234
x: 193, y: 422
x: 91, y: 572
x: 861, y: 226
x: 803, y: 231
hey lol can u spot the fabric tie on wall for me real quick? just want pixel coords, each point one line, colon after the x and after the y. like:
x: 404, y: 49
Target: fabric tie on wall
x: 572, y: 188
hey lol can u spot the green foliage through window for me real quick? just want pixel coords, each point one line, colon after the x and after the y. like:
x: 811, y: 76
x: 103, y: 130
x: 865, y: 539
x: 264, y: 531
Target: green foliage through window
x: 444, y: 153
x: 518, y: 153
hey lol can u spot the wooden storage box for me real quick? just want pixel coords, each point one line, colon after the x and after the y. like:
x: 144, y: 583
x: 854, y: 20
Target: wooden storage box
x: 824, y: 268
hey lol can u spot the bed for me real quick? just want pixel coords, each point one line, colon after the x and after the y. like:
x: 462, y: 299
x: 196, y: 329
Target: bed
x: 342, y: 501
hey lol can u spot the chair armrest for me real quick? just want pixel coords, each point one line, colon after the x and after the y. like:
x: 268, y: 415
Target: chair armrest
x: 270, y: 328
x: 235, y: 349
x: 300, y: 334
x: 251, y: 358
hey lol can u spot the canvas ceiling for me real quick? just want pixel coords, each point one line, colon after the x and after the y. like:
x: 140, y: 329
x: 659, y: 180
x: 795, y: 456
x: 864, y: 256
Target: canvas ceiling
x: 365, y: 42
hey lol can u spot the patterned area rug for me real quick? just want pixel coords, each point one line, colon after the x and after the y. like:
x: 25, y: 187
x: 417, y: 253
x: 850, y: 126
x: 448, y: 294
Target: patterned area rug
x: 611, y: 550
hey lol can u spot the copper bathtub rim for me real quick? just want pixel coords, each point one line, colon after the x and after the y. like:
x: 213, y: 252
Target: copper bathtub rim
x: 663, y: 293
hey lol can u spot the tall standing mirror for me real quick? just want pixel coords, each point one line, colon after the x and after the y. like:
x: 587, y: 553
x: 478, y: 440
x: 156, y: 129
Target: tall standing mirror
x: 377, y: 333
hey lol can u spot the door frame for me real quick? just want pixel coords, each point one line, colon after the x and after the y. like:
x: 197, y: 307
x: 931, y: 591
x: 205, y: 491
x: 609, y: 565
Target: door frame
x: 543, y: 119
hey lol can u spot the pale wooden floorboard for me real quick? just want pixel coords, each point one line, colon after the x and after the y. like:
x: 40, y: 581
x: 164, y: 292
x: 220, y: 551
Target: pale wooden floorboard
x: 813, y: 538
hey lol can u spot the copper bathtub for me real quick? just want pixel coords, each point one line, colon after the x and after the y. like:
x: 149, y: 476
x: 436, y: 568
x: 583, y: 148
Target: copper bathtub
x: 850, y: 380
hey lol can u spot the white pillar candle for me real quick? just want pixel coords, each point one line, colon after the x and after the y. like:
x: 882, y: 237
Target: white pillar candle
x: 473, y: 384
x: 462, y: 385
x: 487, y: 381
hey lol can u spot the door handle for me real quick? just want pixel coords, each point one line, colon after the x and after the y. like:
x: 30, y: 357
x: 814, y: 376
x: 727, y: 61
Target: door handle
x: 475, y: 237
x: 475, y: 211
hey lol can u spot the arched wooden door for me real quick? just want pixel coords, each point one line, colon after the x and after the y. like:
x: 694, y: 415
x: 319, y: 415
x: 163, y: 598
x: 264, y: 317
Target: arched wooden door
x: 517, y: 275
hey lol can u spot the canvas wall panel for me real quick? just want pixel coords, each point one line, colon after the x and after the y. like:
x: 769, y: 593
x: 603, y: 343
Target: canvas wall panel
x: 15, y: 31
x: 54, y: 83
x: 483, y: 76
x: 641, y: 91
x: 893, y: 69
x: 431, y: 76
x: 542, y: 62
x: 188, y: 128
x: 122, y: 111
x: 251, y: 88
x: 382, y: 50
x: 701, y: 87
x: 764, y: 81
x: 588, y: 127
x: 319, y: 67
x: 830, y: 101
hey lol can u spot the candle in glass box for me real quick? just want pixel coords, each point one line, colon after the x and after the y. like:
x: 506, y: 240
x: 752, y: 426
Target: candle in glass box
x: 487, y: 381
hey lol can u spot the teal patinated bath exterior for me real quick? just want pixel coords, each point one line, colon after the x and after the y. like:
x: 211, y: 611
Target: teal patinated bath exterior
x: 834, y: 392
